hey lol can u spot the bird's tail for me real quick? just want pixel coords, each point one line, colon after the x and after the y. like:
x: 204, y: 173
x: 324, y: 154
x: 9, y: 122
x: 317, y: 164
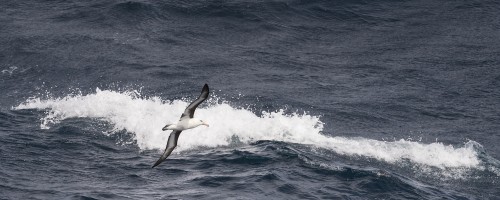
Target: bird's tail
x: 166, y: 127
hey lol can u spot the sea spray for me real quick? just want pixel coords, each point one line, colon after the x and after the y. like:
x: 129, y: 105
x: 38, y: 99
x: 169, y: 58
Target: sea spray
x: 144, y: 118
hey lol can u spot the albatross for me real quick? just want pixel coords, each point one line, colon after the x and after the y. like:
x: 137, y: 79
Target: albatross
x: 187, y: 121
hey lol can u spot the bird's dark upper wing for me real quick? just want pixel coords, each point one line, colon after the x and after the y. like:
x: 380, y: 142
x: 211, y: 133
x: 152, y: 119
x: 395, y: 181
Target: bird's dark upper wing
x: 190, y: 109
x: 171, y: 144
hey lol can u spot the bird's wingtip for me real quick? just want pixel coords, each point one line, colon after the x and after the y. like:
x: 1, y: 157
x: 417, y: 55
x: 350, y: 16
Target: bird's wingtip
x: 156, y: 164
x: 205, y: 88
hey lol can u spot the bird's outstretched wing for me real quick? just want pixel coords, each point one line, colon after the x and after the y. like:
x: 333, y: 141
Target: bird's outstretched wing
x: 171, y: 144
x: 190, y: 109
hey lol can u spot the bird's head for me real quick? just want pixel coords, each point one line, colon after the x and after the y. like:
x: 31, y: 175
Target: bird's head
x: 204, y: 123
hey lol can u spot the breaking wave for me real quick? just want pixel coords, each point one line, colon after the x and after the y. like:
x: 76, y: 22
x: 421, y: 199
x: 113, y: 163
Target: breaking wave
x: 144, y: 117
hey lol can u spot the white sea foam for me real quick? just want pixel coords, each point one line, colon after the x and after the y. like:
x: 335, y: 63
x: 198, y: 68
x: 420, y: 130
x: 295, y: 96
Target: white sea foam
x: 10, y: 70
x: 144, y: 117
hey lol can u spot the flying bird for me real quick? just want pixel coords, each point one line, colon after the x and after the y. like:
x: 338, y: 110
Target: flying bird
x: 187, y: 121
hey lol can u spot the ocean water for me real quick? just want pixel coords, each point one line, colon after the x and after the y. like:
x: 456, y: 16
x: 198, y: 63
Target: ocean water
x: 309, y: 99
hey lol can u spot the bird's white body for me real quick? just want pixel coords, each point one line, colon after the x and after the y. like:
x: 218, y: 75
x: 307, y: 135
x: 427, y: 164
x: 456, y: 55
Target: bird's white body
x: 185, y: 123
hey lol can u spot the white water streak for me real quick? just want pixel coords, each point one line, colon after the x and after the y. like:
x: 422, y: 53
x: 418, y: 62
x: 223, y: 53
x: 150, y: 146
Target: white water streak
x: 144, y: 117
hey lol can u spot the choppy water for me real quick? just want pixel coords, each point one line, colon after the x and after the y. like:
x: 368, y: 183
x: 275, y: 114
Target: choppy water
x: 310, y: 99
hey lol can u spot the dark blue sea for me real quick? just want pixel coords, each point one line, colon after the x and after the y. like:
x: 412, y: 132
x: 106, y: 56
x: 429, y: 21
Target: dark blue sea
x: 310, y: 99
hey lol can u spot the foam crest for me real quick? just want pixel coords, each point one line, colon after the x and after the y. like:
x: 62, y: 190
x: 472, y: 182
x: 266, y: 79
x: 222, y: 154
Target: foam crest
x: 145, y: 117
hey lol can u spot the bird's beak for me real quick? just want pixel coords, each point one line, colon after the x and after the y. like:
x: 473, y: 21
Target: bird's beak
x: 204, y: 123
